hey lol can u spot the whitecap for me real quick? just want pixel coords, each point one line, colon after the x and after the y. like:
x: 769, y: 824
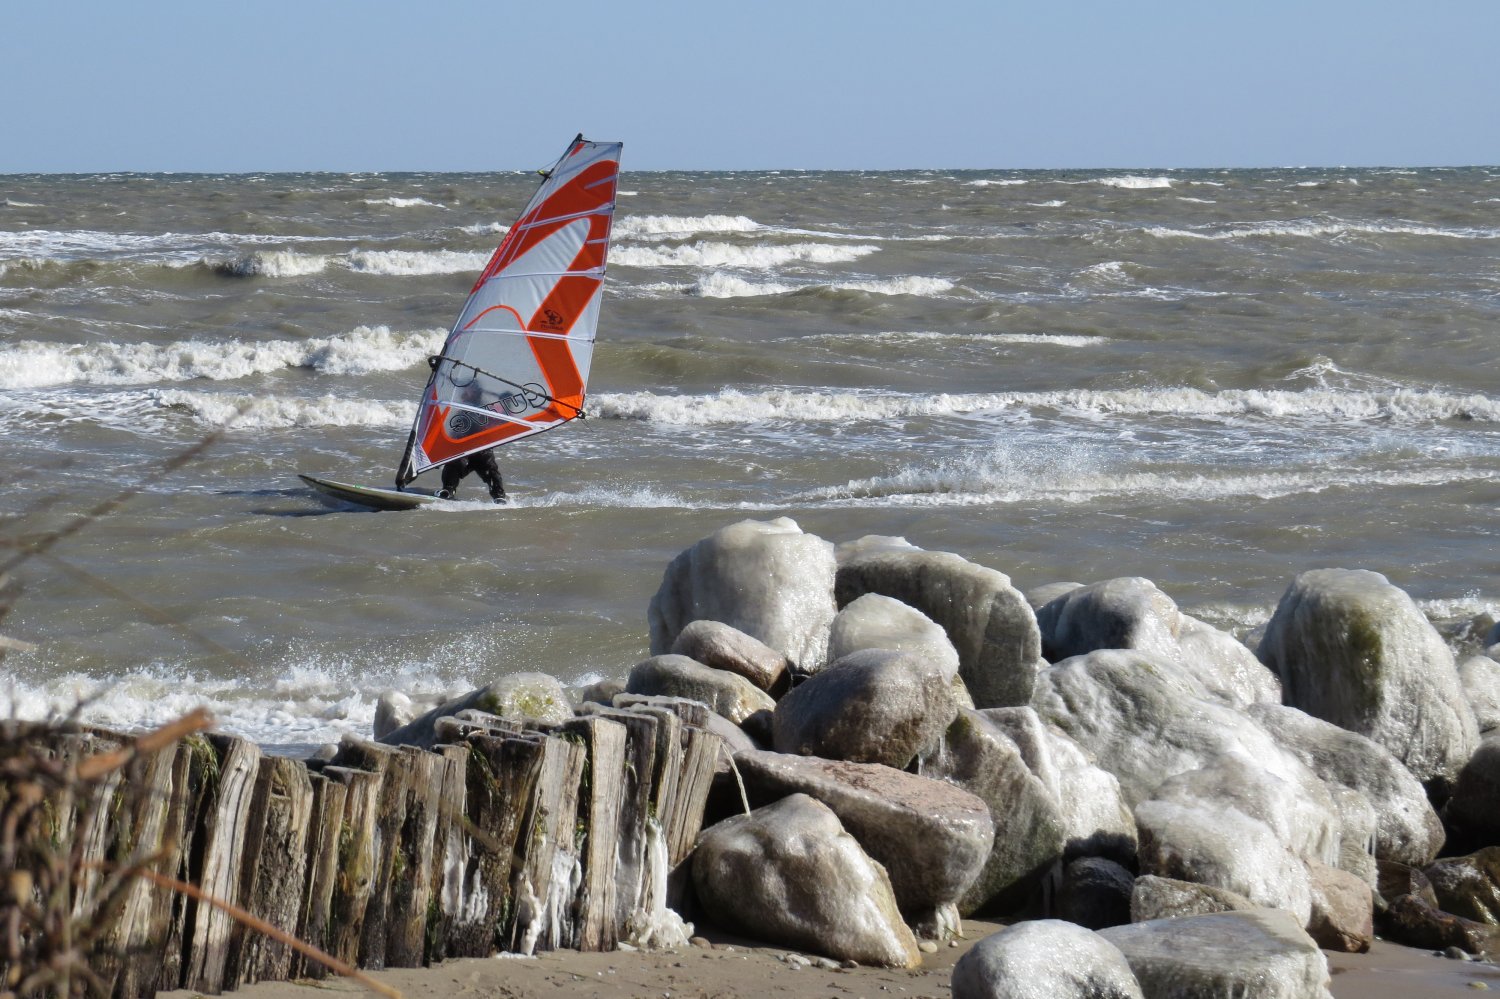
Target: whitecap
x: 1134, y: 183
x: 759, y: 257
x: 627, y: 226
x: 405, y: 203
x: 416, y: 262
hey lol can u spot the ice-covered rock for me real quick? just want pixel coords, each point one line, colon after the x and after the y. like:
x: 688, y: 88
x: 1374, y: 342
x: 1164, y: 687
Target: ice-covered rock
x: 789, y: 874
x: 1132, y: 613
x: 1263, y: 953
x: 392, y: 710
x: 602, y: 691
x: 1095, y: 893
x: 871, y: 706
x: 1144, y: 718
x: 1156, y: 897
x: 875, y: 621
x: 1097, y: 821
x: 520, y: 696
x: 1208, y: 844
x: 1040, y: 596
x: 716, y: 644
x: 985, y: 617
x: 728, y: 694
x: 1044, y: 958
x: 765, y: 578
x: 1480, y: 678
x: 932, y: 837
x: 1029, y: 832
x: 1354, y: 650
x: 1406, y: 827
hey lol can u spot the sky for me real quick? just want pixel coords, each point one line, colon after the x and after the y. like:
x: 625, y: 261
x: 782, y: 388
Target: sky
x: 339, y: 85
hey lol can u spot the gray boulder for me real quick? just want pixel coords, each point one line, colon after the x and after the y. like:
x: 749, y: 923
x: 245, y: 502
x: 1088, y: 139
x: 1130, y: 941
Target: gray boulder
x: 1095, y: 893
x: 518, y: 697
x: 987, y: 620
x: 1479, y: 676
x: 1354, y: 650
x: 1029, y: 832
x: 1044, y: 958
x: 873, y: 706
x: 1156, y: 897
x: 728, y: 694
x: 766, y: 579
x: 1225, y: 664
x: 716, y: 644
x: 1473, y: 813
x: 1469, y: 886
x: 1263, y: 953
x: 1493, y: 638
x: 1406, y: 827
x: 875, y: 621
x: 790, y: 875
x: 932, y: 838
x: 602, y: 691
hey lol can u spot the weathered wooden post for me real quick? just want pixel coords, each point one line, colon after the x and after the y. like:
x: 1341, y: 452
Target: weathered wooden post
x: 325, y: 825
x: 224, y: 821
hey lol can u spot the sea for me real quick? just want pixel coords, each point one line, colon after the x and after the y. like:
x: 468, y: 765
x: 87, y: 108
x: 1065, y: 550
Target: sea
x: 1215, y: 379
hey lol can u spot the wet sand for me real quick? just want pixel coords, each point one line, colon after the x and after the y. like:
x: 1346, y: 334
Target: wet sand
x: 732, y: 967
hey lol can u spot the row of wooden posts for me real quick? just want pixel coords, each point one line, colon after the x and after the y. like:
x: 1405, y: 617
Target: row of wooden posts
x: 507, y: 836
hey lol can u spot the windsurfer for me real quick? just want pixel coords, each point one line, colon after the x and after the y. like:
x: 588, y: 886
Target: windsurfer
x: 481, y: 463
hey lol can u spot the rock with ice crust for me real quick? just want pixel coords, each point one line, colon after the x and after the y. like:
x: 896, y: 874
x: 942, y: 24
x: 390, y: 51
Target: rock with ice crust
x: 1156, y: 897
x: 789, y: 874
x: 979, y: 757
x: 1480, y: 678
x: 875, y: 621
x: 1132, y: 613
x: 1263, y: 953
x: 1354, y: 650
x: 1406, y: 828
x: 765, y: 578
x: 1044, y: 957
x: 520, y: 696
x: 985, y: 617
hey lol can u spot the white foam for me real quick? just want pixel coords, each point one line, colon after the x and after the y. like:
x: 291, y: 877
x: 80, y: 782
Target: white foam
x: 1133, y: 183
x: 1315, y: 230
x: 1197, y: 201
x: 761, y: 257
x: 997, y: 183
x: 680, y: 225
x: 1045, y: 339
x: 268, y: 412
x: 1054, y: 203
x: 31, y: 364
x: 1315, y: 404
x: 721, y: 285
x: 1004, y: 481
x: 10, y: 203
x: 416, y: 262
x: 404, y: 203
x: 926, y: 287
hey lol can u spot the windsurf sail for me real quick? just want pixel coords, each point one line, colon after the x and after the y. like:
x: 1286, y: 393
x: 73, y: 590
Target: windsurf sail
x: 516, y: 361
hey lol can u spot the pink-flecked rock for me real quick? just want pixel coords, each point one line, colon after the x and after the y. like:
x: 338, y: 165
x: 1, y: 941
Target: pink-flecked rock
x: 932, y: 838
x: 1343, y: 910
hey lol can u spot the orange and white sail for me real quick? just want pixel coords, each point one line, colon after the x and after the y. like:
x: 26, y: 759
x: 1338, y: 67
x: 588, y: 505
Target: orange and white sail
x: 517, y: 360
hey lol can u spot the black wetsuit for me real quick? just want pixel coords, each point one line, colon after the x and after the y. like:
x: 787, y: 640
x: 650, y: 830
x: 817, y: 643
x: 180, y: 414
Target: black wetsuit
x: 482, y: 464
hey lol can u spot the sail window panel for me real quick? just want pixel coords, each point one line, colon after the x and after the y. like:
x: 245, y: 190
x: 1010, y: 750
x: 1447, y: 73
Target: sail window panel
x: 554, y: 253
x: 509, y: 303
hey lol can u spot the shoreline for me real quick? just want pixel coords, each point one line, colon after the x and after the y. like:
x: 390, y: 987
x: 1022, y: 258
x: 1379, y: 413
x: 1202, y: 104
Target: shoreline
x: 733, y: 966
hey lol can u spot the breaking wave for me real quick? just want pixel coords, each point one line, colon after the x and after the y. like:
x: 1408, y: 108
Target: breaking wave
x: 734, y: 406
x: 729, y: 255
x: 638, y: 226
x: 415, y: 262
x: 1132, y: 183
x: 263, y: 412
x: 366, y: 349
x: 405, y: 203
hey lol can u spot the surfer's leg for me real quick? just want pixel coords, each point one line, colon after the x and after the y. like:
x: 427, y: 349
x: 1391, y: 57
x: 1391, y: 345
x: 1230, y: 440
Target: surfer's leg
x: 453, y: 473
x: 489, y: 471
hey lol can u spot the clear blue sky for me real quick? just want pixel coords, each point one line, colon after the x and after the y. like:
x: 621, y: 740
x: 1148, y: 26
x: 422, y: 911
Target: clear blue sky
x: 339, y: 85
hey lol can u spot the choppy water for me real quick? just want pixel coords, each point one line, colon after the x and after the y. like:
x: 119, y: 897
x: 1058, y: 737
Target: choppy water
x: 1213, y: 379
